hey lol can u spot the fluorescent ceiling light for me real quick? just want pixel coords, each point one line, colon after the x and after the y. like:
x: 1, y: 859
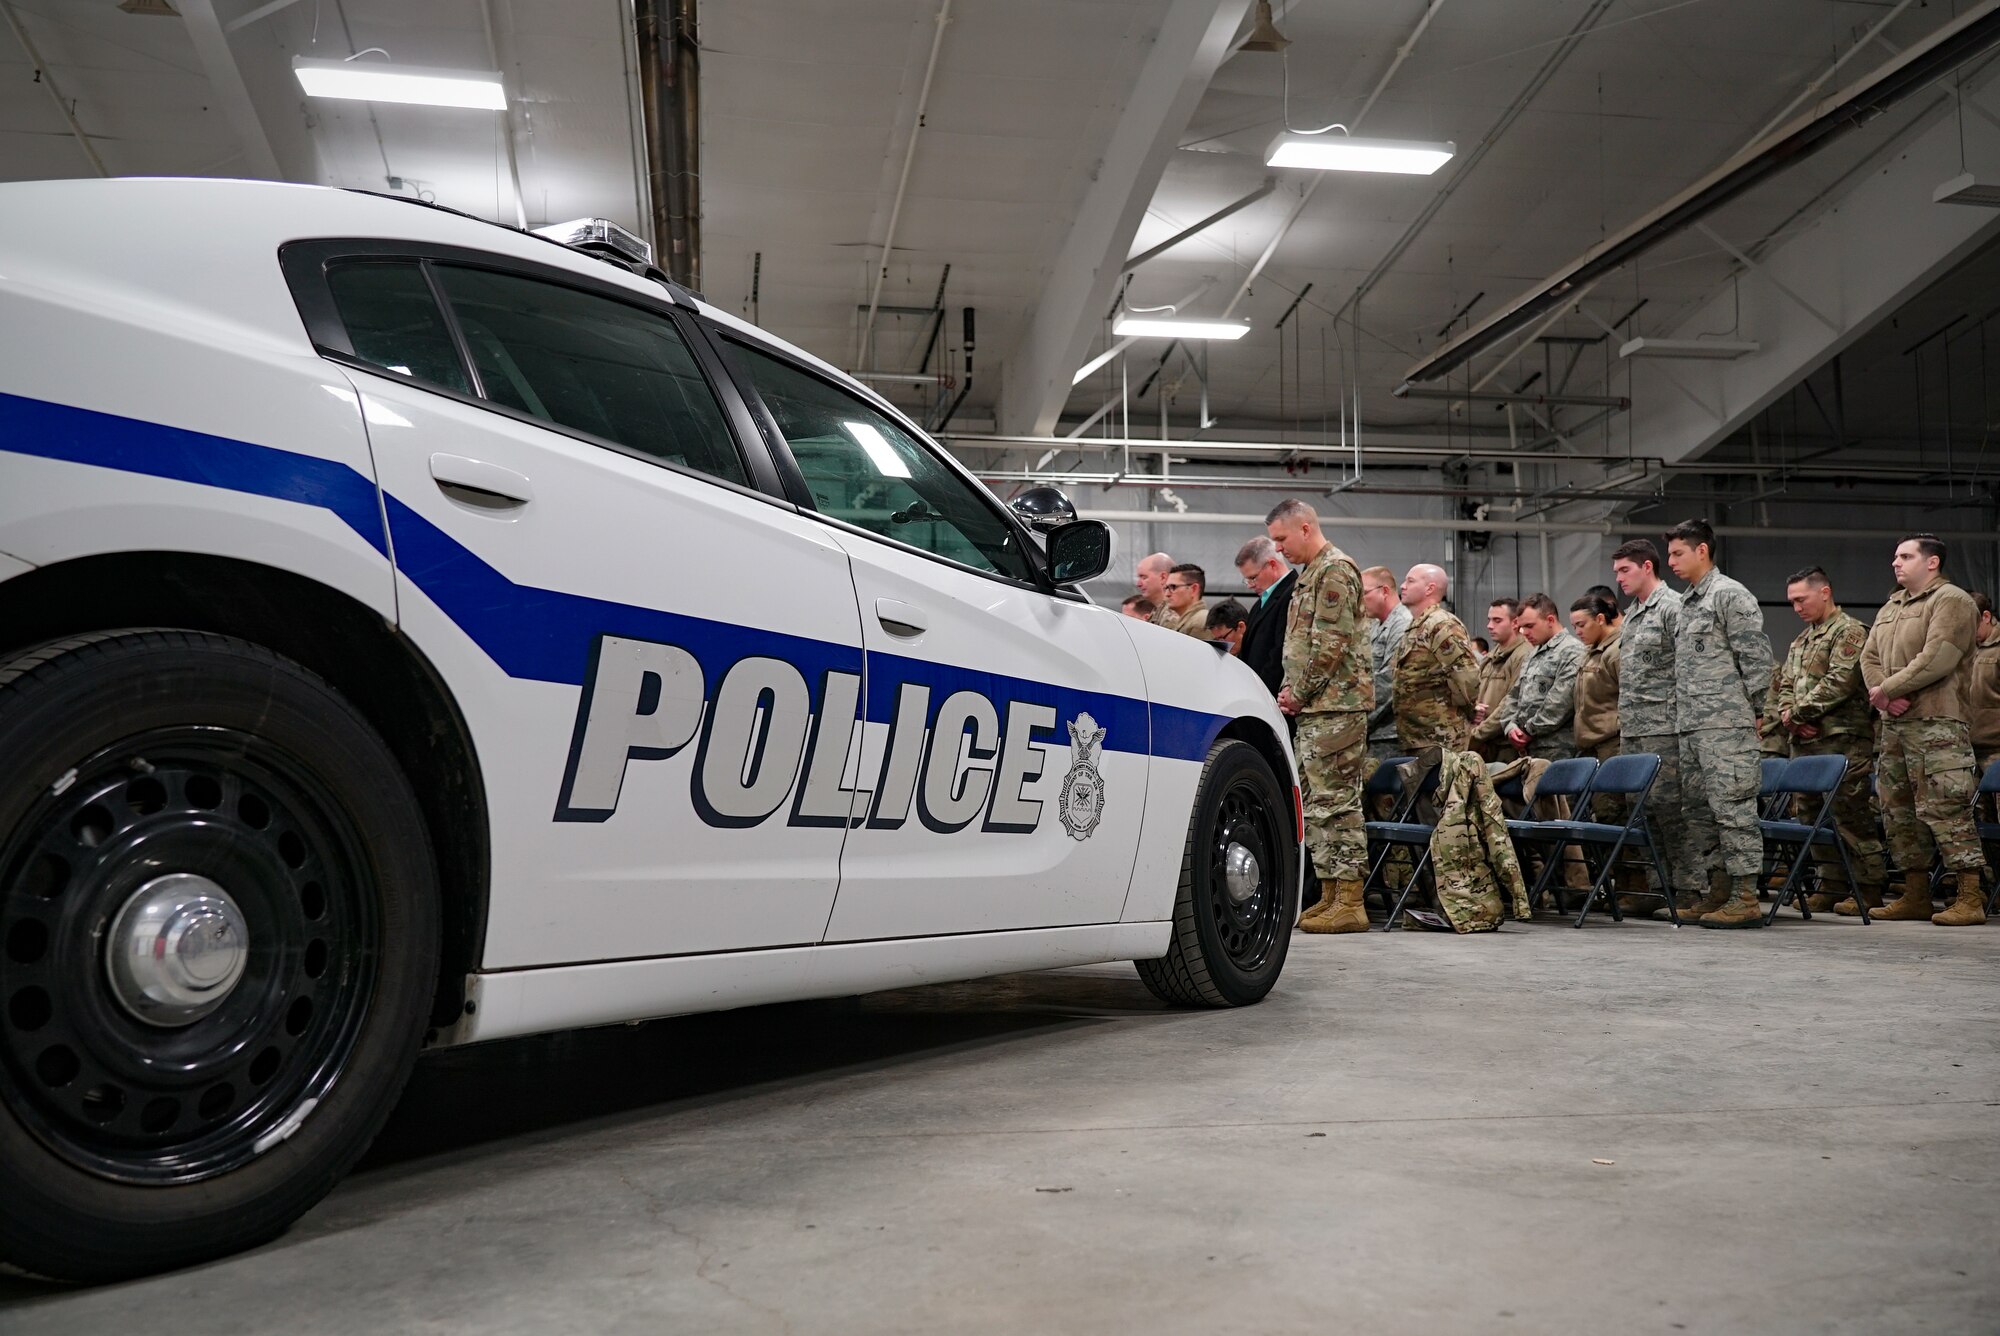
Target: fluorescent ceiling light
x: 1968, y: 189
x: 1710, y: 350
x: 1178, y: 327
x: 880, y: 453
x: 415, y: 84
x: 1344, y: 153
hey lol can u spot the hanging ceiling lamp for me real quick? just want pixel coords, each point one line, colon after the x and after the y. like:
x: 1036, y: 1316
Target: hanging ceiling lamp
x: 1264, y: 34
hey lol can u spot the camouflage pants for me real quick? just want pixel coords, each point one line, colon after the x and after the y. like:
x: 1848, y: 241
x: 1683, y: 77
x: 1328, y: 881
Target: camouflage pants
x: 1853, y: 813
x: 1557, y: 748
x: 1686, y: 858
x: 1333, y: 758
x: 1986, y: 805
x: 1444, y: 727
x: 1927, y: 785
x: 1719, y: 780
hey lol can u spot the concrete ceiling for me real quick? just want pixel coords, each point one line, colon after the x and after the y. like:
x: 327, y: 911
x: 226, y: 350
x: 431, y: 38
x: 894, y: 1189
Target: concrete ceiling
x: 808, y: 106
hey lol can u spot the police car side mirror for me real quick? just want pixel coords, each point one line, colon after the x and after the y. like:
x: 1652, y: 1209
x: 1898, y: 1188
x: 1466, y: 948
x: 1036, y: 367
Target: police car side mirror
x: 1079, y: 551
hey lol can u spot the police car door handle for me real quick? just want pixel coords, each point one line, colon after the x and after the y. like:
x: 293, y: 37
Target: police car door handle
x: 483, y: 486
x: 900, y: 619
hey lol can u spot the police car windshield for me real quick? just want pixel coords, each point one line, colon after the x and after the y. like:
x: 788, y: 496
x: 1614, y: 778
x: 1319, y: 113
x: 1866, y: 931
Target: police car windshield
x: 863, y: 468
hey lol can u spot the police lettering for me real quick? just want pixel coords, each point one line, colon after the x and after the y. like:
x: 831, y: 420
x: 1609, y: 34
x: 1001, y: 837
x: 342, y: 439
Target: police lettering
x: 948, y: 759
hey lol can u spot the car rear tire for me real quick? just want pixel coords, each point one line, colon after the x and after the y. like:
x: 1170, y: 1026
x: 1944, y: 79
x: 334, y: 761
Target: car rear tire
x: 218, y: 943
x: 1239, y: 887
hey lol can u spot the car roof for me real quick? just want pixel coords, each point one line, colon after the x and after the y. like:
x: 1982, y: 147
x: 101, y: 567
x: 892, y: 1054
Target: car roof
x: 201, y: 252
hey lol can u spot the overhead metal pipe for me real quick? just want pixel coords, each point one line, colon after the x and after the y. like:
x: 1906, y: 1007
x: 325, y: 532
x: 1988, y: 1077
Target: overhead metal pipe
x: 1970, y: 35
x: 46, y: 77
x: 670, y: 96
x: 903, y: 182
x: 1603, y: 528
x: 1499, y: 397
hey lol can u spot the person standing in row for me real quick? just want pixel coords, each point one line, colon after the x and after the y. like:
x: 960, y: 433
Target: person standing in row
x: 1149, y: 578
x: 1329, y: 690
x: 1434, y: 677
x: 1497, y: 674
x: 1186, y: 611
x: 1537, y: 713
x: 1647, y: 715
x: 1266, y: 574
x: 1594, y: 620
x: 1819, y: 706
x: 1917, y: 670
x: 1984, y: 693
x: 1388, y: 619
x: 1722, y: 661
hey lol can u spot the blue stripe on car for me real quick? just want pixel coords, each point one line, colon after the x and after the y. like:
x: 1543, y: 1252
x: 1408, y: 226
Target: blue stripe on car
x: 544, y: 634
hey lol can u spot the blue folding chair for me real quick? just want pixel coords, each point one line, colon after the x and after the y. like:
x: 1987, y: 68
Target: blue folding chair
x: 1403, y: 833
x: 1770, y: 775
x: 1568, y: 778
x: 1788, y: 842
x: 1629, y: 777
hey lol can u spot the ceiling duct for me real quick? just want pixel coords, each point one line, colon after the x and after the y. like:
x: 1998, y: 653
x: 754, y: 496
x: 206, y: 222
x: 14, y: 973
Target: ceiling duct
x: 1970, y: 35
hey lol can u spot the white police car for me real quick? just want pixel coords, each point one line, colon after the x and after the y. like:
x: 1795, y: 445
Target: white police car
x: 416, y: 631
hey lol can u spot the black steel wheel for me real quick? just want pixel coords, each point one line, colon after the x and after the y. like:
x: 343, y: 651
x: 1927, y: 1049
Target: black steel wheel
x: 1239, y: 884
x: 218, y: 927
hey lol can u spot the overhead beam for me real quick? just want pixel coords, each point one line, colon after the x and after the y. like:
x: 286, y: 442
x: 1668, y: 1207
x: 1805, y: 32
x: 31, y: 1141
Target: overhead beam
x: 1830, y: 284
x: 1962, y: 39
x: 1195, y: 229
x: 1194, y: 38
x: 249, y: 73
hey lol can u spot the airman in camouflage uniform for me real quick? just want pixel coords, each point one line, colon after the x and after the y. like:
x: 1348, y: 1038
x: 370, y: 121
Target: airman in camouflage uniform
x: 1772, y: 739
x: 1917, y: 665
x: 1329, y: 689
x: 1498, y: 672
x: 1722, y: 662
x: 1388, y: 621
x: 1819, y: 706
x: 1646, y: 715
x: 1983, y: 693
x: 1435, y: 675
x: 1542, y: 704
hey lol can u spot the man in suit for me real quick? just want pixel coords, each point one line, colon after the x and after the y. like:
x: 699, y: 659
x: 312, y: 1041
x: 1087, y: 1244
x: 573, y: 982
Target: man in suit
x: 1264, y: 570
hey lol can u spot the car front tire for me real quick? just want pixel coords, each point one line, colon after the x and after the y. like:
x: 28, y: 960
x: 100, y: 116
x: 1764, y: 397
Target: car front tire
x: 218, y: 942
x: 1239, y: 887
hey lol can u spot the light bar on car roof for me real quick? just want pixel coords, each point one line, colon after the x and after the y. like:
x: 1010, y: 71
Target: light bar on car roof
x: 599, y: 232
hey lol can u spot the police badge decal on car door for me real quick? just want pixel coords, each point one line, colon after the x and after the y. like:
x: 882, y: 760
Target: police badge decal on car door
x: 1083, y: 788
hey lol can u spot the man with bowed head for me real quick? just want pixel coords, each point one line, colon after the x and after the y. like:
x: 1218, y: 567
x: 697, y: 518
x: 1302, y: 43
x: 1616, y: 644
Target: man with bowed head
x: 1149, y: 577
x: 1646, y: 713
x: 1537, y: 713
x: 1498, y: 672
x: 1388, y: 619
x: 1435, y: 677
x: 1916, y: 665
x: 1328, y: 689
x: 1722, y: 664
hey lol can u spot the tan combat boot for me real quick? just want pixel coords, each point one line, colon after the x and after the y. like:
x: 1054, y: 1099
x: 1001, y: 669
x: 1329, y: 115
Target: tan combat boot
x: 1717, y: 897
x: 1632, y: 886
x: 1741, y: 910
x: 1349, y: 914
x: 1870, y: 896
x: 1969, y: 907
x: 1328, y: 899
x: 1823, y: 901
x: 1913, y: 904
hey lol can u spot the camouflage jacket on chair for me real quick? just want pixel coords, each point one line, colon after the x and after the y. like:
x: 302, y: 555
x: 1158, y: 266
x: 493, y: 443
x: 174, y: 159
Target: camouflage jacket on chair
x: 1479, y: 881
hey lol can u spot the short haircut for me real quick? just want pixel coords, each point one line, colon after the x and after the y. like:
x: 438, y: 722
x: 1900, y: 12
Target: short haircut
x: 1541, y: 603
x: 1602, y: 591
x: 1194, y: 573
x: 1378, y: 575
x: 1291, y: 509
x: 1479, y: 643
x: 1140, y: 604
x: 1694, y: 533
x: 1513, y: 605
x: 1256, y: 552
x: 1928, y: 544
x: 1640, y: 552
x: 1811, y: 575
x: 1597, y: 605
x: 1982, y: 602
x: 1227, y: 615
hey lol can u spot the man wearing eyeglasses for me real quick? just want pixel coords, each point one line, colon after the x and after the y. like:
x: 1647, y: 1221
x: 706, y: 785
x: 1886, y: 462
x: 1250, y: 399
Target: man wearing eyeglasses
x: 1186, y: 611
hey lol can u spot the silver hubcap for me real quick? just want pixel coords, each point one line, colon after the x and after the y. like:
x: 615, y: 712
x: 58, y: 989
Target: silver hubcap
x: 1240, y: 872
x: 176, y: 949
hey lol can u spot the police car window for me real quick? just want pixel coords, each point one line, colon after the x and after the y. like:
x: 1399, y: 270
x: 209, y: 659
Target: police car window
x: 392, y: 321
x: 863, y: 468
x: 593, y: 364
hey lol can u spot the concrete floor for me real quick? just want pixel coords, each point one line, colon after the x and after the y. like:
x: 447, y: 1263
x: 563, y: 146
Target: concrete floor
x: 1408, y: 1136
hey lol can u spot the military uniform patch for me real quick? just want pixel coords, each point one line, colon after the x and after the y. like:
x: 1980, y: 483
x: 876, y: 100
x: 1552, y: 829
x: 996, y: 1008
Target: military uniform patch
x: 1082, y: 804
